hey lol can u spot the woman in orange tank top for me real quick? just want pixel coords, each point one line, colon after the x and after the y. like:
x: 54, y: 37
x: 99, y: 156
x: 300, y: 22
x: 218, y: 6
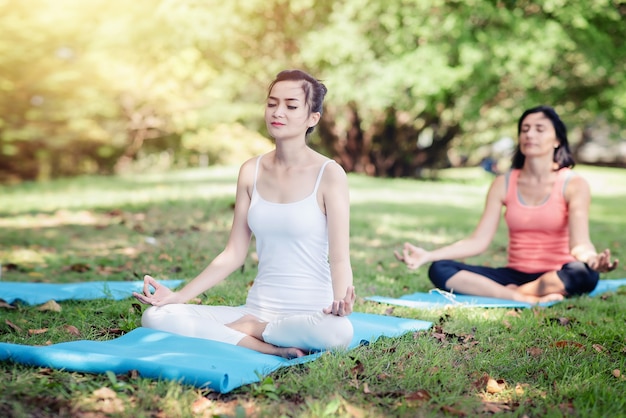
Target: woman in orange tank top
x: 550, y: 253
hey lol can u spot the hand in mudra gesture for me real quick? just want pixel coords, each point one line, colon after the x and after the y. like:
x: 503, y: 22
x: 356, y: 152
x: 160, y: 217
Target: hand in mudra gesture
x: 162, y: 295
x: 344, y: 306
x: 602, y: 262
x: 412, y: 256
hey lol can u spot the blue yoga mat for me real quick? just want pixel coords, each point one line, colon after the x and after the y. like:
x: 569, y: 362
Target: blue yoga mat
x: 38, y: 293
x: 198, y: 362
x: 439, y: 299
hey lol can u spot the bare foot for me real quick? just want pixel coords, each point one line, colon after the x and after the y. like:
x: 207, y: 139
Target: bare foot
x: 250, y: 325
x: 552, y: 297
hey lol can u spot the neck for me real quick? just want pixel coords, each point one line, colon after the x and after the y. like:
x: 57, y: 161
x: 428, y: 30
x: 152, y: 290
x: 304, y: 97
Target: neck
x: 290, y: 152
x: 538, y: 168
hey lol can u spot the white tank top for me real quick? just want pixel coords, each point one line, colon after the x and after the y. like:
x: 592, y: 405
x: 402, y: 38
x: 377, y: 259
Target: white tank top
x: 292, y: 246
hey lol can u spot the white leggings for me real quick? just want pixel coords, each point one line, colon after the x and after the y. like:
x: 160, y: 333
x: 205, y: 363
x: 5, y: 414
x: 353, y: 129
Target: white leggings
x: 307, y: 331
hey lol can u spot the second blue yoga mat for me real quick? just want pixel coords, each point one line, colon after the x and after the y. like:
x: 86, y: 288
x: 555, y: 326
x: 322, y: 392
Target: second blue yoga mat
x: 38, y: 293
x: 438, y: 299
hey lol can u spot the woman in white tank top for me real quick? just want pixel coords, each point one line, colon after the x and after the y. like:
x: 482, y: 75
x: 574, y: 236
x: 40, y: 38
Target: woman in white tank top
x: 296, y: 203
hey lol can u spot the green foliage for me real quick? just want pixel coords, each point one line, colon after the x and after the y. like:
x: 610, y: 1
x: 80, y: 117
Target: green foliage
x: 91, y: 87
x: 458, y: 74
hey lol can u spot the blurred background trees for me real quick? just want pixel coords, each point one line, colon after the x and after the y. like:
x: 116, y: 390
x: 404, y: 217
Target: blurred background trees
x: 107, y: 86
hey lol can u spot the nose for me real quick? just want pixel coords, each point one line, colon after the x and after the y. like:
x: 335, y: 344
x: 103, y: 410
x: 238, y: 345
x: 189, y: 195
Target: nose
x: 529, y: 133
x: 279, y: 111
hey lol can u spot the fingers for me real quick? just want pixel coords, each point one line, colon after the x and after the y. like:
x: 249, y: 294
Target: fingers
x: 148, y: 283
x: 338, y: 308
x: 350, y: 295
x: 398, y: 256
x: 344, y: 306
x: 602, y: 262
x: 141, y: 298
x: 614, y: 265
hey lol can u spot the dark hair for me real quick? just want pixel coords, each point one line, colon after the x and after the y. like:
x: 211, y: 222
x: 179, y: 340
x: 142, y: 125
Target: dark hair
x: 563, y: 157
x: 314, y: 90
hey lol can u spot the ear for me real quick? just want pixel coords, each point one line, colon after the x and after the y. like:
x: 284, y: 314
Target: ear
x: 314, y: 118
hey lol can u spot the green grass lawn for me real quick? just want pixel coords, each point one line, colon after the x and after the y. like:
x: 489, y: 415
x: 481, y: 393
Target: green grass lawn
x: 566, y: 360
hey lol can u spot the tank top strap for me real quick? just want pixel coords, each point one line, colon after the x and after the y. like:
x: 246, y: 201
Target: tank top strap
x: 256, y: 172
x: 319, y: 176
x: 510, y: 182
x: 565, y: 174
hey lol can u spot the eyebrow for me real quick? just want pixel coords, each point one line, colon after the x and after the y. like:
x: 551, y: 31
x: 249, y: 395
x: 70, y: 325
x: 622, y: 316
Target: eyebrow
x: 287, y: 100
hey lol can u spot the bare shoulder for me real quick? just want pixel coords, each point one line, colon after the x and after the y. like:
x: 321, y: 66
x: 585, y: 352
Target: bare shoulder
x: 246, y: 174
x: 576, y: 185
x: 334, y: 168
x: 497, y: 190
x: 334, y: 173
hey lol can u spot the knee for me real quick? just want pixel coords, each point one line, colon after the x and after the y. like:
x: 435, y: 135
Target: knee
x: 336, y: 332
x: 578, y: 278
x: 152, y: 317
x: 314, y: 332
x: 440, y: 271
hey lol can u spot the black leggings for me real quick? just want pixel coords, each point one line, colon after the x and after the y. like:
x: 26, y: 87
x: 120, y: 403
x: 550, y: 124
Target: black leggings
x: 576, y: 276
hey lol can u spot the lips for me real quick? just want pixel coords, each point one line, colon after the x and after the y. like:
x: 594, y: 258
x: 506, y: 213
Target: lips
x: 277, y: 124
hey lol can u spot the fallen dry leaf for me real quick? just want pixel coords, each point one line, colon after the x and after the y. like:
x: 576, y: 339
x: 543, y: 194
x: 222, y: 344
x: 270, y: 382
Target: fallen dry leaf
x: 37, y: 331
x: 513, y: 313
x: 50, y: 305
x: 495, y: 408
x: 534, y: 351
x: 568, y: 408
x: 420, y: 395
x: 200, y: 405
x: 71, y: 329
x: 599, y: 348
x: 453, y: 411
x: 383, y: 376
x: 5, y: 305
x: 104, y: 393
x: 354, y: 411
x: 617, y: 373
x: 439, y: 336
x: 563, y: 344
x: 495, y: 386
x: 78, y: 267
x: 106, y: 401
x: 165, y: 257
x: 12, y: 325
x: 481, y: 382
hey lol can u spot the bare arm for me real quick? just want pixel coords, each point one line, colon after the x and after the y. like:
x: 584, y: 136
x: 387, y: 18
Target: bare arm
x: 337, y: 204
x: 578, y: 197
x: 232, y: 257
x: 473, y: 245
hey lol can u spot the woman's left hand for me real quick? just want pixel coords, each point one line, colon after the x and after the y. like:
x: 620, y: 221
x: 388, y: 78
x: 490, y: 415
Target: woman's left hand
x: 602, y: 262
x: 344, y: 306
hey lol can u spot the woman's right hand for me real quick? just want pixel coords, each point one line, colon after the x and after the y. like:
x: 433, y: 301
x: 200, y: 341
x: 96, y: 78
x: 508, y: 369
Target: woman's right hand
x: 414, y: 257
x: 162, y: 295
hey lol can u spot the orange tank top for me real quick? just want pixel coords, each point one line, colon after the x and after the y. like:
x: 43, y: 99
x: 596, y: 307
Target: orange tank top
x: 538, y: 235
